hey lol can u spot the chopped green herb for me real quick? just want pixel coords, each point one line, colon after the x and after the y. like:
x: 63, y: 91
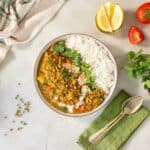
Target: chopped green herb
x: 59, y: 47
x: 66, y: 74
x: 49, y: 61
x: 62, y: 42
x: 90, y: 78
x: 90, y: 81
x: 64, y: 109
x: 87, y: 71
x: 85, y: 65
x: 77, y: 61
x: 68, y: 53
x: 43, y: 85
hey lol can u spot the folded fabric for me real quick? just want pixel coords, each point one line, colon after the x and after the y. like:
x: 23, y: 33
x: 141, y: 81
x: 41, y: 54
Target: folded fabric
x: 21, y: 20
x: 120, y: 133
x: 11, y: 12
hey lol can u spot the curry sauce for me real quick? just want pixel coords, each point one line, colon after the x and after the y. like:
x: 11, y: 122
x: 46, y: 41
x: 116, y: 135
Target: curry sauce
x: 64, y: 84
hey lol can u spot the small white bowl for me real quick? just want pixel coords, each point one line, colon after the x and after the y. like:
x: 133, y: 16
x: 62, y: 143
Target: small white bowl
x: 51, y: 106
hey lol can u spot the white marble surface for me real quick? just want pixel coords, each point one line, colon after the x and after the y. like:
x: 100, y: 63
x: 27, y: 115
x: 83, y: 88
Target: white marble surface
x: 47, y: 130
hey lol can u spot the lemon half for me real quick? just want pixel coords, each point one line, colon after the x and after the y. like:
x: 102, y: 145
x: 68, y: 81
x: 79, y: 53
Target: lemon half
x: 109, y: 17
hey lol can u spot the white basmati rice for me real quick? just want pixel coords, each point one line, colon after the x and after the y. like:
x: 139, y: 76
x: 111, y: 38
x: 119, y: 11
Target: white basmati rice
x: 95, y: 54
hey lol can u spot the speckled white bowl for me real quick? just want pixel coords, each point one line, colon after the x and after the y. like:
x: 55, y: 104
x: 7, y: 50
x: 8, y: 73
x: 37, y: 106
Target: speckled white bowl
x: 51, y: 106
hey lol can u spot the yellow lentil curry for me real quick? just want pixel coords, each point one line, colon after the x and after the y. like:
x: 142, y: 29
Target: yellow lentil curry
x: 66, y: 81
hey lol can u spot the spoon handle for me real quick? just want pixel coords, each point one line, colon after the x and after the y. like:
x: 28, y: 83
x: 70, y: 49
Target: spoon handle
x: 99, y: 135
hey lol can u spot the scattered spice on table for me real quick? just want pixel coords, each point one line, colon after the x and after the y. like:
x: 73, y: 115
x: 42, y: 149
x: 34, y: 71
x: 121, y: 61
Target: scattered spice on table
x: 17, y: 96
x: 11, y: 129
x: 13, y: 121
x: 5, y: 117
x: 5, y: 134
x: 20, y: 128
x: 21, y: 100
x: 23, y: 106
x: 19, y: 83
x: 23, y: 123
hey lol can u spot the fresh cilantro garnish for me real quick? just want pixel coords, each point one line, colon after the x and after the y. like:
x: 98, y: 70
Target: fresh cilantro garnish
x: 66, y: 74
x: 76, y: 59
x: 68, y: 52
x: 90, y: 81
x: 139, y: 67
x: 73, y: 55
x: 87, y: 70
x: 59, y: 47
x: 49, y: 60
x: 64, y: 109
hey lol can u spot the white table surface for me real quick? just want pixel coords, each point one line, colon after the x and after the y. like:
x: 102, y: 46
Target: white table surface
x: 46, y: 129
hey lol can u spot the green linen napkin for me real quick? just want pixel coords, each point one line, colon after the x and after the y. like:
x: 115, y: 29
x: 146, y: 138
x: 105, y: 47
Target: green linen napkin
x: 120, y: 133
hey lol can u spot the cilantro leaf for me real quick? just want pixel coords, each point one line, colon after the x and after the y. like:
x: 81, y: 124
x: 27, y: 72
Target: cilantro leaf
x: 59, y: 47
x: 64, y: 109
x: 66, y: 74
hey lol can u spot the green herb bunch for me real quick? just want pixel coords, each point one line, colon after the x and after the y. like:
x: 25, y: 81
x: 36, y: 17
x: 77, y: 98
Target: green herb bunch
x: 139, y: 67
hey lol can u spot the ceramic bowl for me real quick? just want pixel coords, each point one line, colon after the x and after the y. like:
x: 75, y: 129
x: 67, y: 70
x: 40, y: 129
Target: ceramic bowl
x: 52, y: 107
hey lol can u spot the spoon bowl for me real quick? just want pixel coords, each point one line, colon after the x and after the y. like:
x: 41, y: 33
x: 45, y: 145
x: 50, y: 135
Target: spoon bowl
x: 132, y: 104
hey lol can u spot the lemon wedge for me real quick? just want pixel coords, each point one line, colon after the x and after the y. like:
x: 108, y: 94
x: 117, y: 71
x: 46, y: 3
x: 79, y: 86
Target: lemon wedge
x: 109, y: 17
x: 102, y: 21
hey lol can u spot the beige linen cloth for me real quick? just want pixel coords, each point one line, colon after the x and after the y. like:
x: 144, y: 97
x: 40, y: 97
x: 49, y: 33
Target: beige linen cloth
x: 22, y: 20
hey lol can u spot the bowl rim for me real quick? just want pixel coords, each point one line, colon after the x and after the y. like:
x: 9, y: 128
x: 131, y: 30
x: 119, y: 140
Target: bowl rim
x: 51, y: 106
